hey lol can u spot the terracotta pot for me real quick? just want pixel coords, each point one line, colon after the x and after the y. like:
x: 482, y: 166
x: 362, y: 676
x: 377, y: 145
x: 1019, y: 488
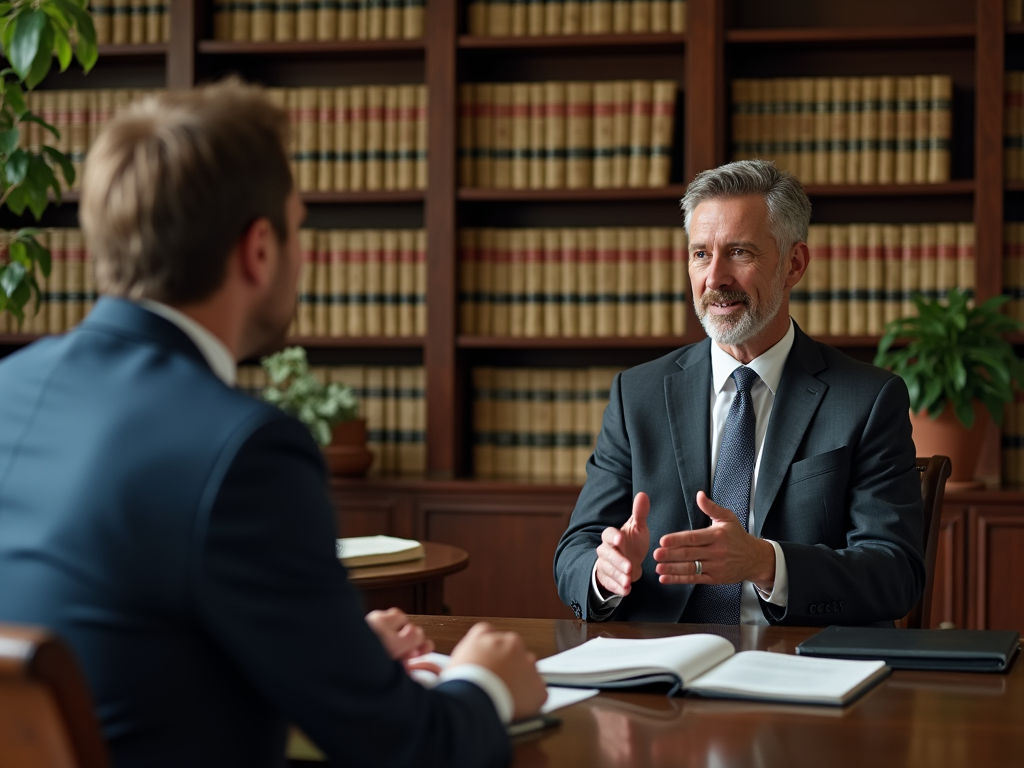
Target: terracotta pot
x: 347, y: 455
x: 946, y: 436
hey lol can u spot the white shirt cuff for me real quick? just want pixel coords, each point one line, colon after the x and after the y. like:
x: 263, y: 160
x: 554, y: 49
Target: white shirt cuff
x: 780, y: 591
x: 489, y: 682
x: 606, y: 604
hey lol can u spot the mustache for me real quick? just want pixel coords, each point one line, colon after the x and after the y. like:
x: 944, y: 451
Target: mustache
x: 722, y: 297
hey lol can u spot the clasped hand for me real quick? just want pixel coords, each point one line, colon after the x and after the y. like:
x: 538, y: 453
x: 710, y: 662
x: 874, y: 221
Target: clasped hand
x: 726, y: 551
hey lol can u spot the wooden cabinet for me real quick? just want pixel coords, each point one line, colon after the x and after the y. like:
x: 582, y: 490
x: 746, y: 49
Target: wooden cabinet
x: 996, y: 557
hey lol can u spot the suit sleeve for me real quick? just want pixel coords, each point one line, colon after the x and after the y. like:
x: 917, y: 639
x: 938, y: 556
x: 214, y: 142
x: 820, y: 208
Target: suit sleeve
x: 606, y: 500
x: 879, y: 575
x: 271, y: 592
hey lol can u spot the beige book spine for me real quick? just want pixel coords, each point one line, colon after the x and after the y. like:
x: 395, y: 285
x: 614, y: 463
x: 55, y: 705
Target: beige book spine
x: 341, y: 125
x: 965, y: 256
x: 535, y: 22
x: 61, y: 117
x: 563, y: 432
x: 854, y: 143
x: 137, y: 21
x: 322, y: 307
x: 358, y: 127
x: 579, y: 129
x: 887, y: 130
x: 327, y: 21
x: 929, y: 261
x: 422, y: 136
x: 520, y: 116
x: 501, y: 282
x: 373, y: 408
x: 838, y: 279
x: 822, y: 129
x: 477, y: 18
x: 78, y: 134
x: 940, y: 122
x: 499, y: 18
x: 155, y: 14
x: 621, y: 16
x: 606, y: 278
x: 408, y: 290
x: 805, y: 129
x: 393, y: 116
x: 662, y: 126
x: 522, y: 452
x: 503, y: 394
x: 56, y: 283
x: 857, y: 322
x: 640, y: 133
x: 356, y: 283
x: 680, y: 281
x: 517, y: 282
x: 533, y: 278
x: 308, y: 283
x: 467, y: 134
x: 583, y: 437
x: 484, y: 425
x: 389, y: 293
x: 392, y: 19
x: 572, y: 17
x: 484, y: 111
x: 600, y: 17
x: 553, y: 18
x: 904, y: 130
x: 413, y: 22
x: 554, y: 135
x: 551, y: 282
x: 623, y: 90
x: 569, y: 314
x: 817, y: 277
x: 600, y: 387
x: 740, y: 90
x: 389, y: 446
x: 468, y: 286
x: 661, y: 281
x: 305, y: 19
x: 791, y: 125
x: 325, y: 139
x: 922, y: 126
x: 375, y: 100
x: 677, y: 15
x: 768, y: 130
x: 406, y: 454
x: 542, y: 422
x: 876, y: 285
x: 122, y: 20
x: 348, y: 19
x: 910, y: 245
x: 519, y: 18
x: 421, y: 282
x: 660, y: 21
x: 642, y: 308
x: 537, y: 159
x: 625, y: 283
x: 586, y: 278
x: 838, y: 131
x: 102, y: 16
x: 284, y: 21
x: 892, y: 255
x: 501, y: 137
x: 946, y: 277
x: 486, y: 240
x: 869, y: 130
x: 241, y: 23
x: 374, y: 20
x: 640, y: 16
x: 308, y: 133
x: 74, y: 276
x: 337, y: 243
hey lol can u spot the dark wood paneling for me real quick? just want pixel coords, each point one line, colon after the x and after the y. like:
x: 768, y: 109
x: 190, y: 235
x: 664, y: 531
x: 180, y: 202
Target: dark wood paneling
x: 950, y: 570
x: 997, y: 567
x: 372, y: 514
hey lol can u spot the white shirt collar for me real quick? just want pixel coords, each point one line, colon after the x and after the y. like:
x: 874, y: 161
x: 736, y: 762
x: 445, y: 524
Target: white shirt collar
x: 768, y: 366
x: 212, y: 349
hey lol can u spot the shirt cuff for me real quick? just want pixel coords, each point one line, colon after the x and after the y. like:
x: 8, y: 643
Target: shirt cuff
x: 601, y: 606
x: 780, y: 591
x: 489, y: 682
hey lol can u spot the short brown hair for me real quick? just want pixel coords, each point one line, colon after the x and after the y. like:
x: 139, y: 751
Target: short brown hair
x: 174, y: 181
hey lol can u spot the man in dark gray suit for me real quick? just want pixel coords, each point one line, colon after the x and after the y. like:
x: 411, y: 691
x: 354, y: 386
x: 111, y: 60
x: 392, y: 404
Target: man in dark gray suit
x: 758, y: 476
x: 177, y: 533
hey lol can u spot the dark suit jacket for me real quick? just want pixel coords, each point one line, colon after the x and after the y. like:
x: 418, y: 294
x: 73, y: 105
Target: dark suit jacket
x: 837, y: 485
x: 179, y: 534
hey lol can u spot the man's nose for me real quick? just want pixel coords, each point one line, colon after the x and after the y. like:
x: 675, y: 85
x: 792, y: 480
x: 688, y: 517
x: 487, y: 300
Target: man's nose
x: 719, y: 276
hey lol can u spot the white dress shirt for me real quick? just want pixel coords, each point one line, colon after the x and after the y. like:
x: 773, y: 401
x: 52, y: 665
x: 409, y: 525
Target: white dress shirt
x: 769, y: 367
x: 223, y: 365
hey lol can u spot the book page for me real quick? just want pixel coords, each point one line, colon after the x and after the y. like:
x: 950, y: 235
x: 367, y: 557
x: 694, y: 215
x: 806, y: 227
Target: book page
x: 361, y: 546
x: 759, y: 674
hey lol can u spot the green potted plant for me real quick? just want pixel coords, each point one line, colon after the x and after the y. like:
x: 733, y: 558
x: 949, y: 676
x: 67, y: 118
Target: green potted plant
x: 33, y: 33
x: 959, y: 369
x: 329, y: 411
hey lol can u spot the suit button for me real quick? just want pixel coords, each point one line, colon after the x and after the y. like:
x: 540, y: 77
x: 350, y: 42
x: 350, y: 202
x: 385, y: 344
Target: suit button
x: 576, y: 609
x: 828, y: 608
x: 840, y: 605
x: 821, y: 607
x: 814, y: 608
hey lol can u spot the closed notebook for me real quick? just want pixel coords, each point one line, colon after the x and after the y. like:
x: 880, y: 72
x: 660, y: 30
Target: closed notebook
x: 951, y: 650
x: 361, y: 551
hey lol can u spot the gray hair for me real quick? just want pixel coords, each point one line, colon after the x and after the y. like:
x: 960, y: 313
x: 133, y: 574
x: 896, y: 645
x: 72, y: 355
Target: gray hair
x: 789, y: 210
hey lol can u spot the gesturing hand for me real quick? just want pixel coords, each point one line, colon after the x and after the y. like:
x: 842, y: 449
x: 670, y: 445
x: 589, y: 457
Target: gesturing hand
x: 402, y: 639
x: 622, y: 550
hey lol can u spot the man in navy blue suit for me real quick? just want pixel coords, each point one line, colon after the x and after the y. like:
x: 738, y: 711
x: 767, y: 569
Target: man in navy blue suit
x: 176, y: 532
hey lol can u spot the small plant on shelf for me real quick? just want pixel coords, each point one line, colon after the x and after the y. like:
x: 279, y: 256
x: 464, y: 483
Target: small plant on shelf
x: 296, y: 391
x: 32, y: 33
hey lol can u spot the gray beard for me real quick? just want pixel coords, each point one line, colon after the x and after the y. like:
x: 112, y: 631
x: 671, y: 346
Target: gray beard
x: 751, y: 322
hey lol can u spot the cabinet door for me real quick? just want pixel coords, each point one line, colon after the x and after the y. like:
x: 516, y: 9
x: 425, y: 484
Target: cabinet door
x: 372, y: 514
x: 950, y: 575
x: 997, y: 567
x: 511, y: 542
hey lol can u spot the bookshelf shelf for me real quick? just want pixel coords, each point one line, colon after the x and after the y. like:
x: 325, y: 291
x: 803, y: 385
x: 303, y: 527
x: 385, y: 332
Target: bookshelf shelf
x: 1015, y: 28
x: 673, y: 191
x: 357, y: 342
x: 605, y: 342
x: 881, y: 36
x: 310, y: 47
x: 1015, y: 186
x: 133, y: 50
x: 957, y: 187
x: 377, y: 196
x: 569, y: 42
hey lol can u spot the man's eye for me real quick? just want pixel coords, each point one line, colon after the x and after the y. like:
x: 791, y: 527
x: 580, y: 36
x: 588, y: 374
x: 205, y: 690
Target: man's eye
x: 699, y: 254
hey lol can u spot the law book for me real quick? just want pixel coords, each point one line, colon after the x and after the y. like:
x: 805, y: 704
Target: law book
x: 411, y: 295
x: 606, y: 277
x: 322, y: 307
x: 867, y: 172
x: 641, y: 109
x: 499, y: 18
x: 677, y: 15
x: 905, y: 130
x: 622, y: 100
x: 940, y: 118
x: 389, y: 442
x: 413, y: 19
x: 358, y: 111
x: 838, y: 279
x: 600, y: 17
x: 355, y: 283
x: 910, y: 255
x: 284, y: 21
x: 946, y: 261
x: 537, y: 126
x: 579, y: 135
x: 708, y: 665
x: 806, y: 116
x: 74, y: 255
x: 476, y: 15
x: 838, y: 126
x: 348, y: 19
x: 501, y: 137
x: 625, y: 283
x: 789, y: 125
x: 817, y: 278
x: 929, y: 261
x: 390, y: 295
x: 854, y: 102
x: 392, y: 118
x: 892, y: 256
x: 326, y: 21
x: 468, y: 286
x: 922, y: 88
x: 504, y: 436
x: 102, y: 16
x: 324, y: 154
x: 769, y: 138
x: 374, y: 283
x: 422, y: 136
x: 661, y: 281
x: 554, y: 135
x: 822, y: 129
x: 599, y: 393
x: 662, y: 126
x: 466, y: 148
x: 660, y: 21
x: 965, y: 256
x: 121, y: 15
x: 483, y: 423
x: 551, y: 282
x: 307, y: 130
x: 392, y: 19
x: 581, y: 424
x: 342, y: 121
x: 857, y: 298
x: 483, y: 110
x: 586, y: 281
x: 569, y: 300
x: 741, y: 94
x: 640, y: 16
x: 364, y: 551
x: 307, y: 283
x: 522, y: 453
x: 887, y: 130
x: 542, y: 425
x: 336, y: 269
x: 56, y: 283
x: 407, y: 396
x: 520, y: 130
x: 533, y: 283
x: 375, y: 104
x: 516, y: 285
x: 562, y: 435
x: 642, y: 294
x: 535, y: 19
x: 572, y: 17
x: 553, y: 18
x: 78, y: 133
x: 680, y: 281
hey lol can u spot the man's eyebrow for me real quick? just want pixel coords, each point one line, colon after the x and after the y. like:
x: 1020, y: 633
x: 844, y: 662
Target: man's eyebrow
x: 749, y: 244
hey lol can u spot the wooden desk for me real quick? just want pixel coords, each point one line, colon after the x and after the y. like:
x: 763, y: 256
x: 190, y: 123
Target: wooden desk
x: 911, y: 719
x: 415, y: 586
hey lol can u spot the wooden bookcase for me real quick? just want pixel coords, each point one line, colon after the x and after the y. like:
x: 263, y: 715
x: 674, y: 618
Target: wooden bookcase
x: 507, y: 526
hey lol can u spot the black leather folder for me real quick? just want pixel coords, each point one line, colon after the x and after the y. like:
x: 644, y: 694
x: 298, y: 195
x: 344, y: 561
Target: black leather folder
x: 948, y: 650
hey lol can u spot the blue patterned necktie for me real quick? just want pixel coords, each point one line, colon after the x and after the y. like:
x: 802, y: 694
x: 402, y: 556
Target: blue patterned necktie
x: 734, y: 474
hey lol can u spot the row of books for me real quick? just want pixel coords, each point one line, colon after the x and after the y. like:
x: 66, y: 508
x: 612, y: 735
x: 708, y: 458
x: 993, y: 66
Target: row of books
x: 391, y: 399
x: 78, y: 115
x: 500, y: 18
x: 576, y: 135
x: 847, y: 130
x: 67, y: 294
x: 537, y: 424
x: 131, y: 21
x: 1013, y: 441
x: 370, y: 137
x: 573, y: 282
x: 362, y: 283
x: 1013, y: 135
x: 861, y: 276
x: 1013, y: 269
x: 1014, y: 11
x: 287, y: 20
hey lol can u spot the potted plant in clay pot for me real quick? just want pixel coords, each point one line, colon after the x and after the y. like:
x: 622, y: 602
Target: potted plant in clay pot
x: 330, y: 411
x: 959, y: 370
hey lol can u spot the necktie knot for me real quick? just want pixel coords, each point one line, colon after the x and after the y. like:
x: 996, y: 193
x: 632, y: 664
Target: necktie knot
x: 745, y: 378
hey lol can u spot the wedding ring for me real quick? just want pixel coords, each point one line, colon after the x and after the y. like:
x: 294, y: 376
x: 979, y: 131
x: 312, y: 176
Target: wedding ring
x: 699, y: 569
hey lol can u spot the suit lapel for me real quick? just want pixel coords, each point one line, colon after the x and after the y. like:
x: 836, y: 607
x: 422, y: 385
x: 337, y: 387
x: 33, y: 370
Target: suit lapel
x: 796, y: 402
x: 688, y: 399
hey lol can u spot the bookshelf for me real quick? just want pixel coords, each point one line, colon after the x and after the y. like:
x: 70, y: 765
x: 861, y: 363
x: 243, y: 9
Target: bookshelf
x: 725, y: 39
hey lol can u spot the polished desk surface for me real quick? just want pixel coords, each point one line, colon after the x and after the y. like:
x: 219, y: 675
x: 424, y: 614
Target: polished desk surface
x: 912, y: 719
x: 439, y: 560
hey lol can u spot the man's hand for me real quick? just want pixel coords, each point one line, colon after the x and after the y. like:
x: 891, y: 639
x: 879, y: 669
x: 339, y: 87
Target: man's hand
x: 402, y: 639
x: 504, y: 654
x: 727, y: 553
x: 622, y: 550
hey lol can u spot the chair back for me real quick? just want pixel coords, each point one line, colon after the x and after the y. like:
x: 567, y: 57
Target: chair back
x: 47, y: 719
x: 934, y: 472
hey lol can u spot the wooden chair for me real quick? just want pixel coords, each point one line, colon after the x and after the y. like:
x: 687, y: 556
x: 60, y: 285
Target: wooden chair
x: 47, y: 719
x: 934, y: 471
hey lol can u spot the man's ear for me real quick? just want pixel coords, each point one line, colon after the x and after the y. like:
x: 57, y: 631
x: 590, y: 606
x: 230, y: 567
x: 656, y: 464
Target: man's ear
x: 799, y: 256
x: 255, y: 253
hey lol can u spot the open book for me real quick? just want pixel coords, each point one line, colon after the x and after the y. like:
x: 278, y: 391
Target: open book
x: 708, y: 665
x: 377, y: 550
